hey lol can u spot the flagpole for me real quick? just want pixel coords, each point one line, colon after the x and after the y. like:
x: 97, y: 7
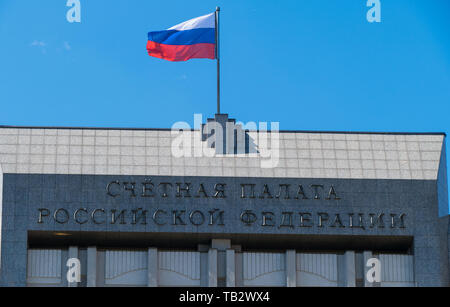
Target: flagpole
x: 218, y: 59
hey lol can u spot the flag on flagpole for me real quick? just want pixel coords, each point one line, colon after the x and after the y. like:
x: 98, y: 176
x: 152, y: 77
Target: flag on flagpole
x: 195, y: 38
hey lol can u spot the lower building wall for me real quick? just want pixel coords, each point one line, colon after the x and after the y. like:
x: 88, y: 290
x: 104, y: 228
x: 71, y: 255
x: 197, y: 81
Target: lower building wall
x: 153, y: 267
x: 317, y: 269
x: 76, y: 213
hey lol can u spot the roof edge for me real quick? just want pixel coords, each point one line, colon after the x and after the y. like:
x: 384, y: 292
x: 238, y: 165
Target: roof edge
x: 169, y: 129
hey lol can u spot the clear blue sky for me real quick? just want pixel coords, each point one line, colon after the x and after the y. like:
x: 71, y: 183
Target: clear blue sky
x: 309, y: 64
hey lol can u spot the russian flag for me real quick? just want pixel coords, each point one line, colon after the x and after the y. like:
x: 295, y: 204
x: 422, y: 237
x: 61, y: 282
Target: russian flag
x: 195, y: 38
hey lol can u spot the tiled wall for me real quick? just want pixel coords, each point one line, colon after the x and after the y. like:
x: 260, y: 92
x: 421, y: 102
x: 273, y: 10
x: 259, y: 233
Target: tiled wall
x: 148, y: 152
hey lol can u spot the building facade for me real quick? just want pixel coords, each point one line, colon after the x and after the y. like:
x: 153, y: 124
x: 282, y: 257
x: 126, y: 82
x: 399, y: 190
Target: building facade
x: 290, y: 208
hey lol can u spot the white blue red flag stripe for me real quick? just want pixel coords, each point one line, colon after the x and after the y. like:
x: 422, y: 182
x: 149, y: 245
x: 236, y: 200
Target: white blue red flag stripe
x: 195, y: 38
